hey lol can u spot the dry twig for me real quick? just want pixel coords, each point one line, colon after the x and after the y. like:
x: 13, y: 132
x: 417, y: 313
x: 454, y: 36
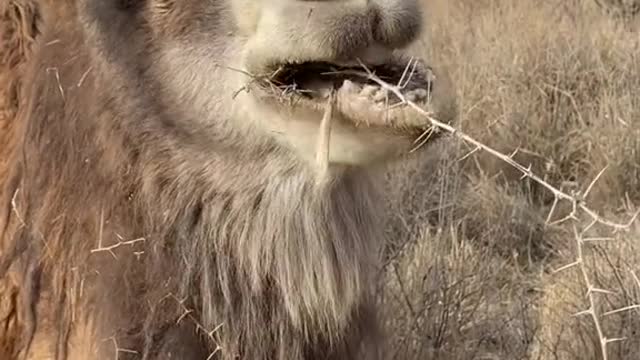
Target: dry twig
x: 324, y: 139
x: 120, y: 243
x: 186, y: 312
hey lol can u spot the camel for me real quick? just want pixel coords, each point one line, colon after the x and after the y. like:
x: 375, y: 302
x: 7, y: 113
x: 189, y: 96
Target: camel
x: 197, y: 179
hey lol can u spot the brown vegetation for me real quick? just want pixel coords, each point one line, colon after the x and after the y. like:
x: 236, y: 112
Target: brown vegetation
x: 621, y: 9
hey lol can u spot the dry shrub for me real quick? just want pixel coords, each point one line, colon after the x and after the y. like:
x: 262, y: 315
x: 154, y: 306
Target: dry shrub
x: 443, y: 300
x: 557, y: 81
x: 621, y: 9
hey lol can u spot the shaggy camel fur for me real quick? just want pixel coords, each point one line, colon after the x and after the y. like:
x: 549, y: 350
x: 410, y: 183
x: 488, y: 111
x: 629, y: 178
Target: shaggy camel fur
x: 162, y: 204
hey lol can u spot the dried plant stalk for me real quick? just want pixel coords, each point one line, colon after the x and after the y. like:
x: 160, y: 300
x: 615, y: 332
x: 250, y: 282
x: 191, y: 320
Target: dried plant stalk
x: 324, y: 139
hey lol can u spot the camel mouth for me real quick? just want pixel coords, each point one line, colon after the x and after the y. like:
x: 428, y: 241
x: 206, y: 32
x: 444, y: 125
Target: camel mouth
x: 315, y: 79
x: 375, y: 95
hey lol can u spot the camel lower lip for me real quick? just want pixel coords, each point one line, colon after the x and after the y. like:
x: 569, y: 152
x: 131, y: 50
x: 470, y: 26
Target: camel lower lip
x: 374, y: 105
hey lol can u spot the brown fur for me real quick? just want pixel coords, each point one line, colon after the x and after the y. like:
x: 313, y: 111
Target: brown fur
x: 223, y: 242
x: 17, y: 33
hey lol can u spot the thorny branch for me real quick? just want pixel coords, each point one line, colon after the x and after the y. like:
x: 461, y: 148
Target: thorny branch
x: 120, y: 243
x: 577, y: 201
x: 186, y: 312
x: 117, y: 349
